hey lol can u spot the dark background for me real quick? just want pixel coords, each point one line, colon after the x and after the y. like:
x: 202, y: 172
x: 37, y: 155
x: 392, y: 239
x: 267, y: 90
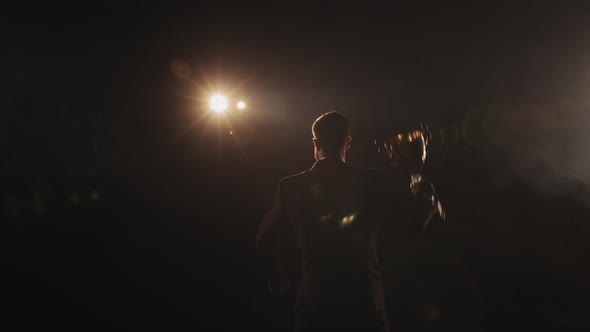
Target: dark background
x: 128, y: 205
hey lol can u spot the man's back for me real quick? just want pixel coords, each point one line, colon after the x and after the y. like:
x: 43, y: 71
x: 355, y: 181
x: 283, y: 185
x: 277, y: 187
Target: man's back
x: 332, y: 210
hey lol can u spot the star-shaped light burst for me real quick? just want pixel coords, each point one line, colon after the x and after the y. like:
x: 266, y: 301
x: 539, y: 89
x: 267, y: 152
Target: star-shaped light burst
x: 218, y: 103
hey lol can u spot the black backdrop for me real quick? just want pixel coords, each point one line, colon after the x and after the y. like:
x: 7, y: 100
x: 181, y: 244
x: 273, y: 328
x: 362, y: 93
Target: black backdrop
x: 127, y: 205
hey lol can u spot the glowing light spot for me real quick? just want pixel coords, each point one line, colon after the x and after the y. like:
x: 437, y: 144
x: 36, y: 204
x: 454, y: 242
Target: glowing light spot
x: 218, y: 103
x: 347, y: 220
x: 423, y: 150
x: 441, y: 211
x: 241, y: 105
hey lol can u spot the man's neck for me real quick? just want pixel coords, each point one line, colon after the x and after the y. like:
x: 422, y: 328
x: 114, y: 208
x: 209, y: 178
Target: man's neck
x: 332, y: 158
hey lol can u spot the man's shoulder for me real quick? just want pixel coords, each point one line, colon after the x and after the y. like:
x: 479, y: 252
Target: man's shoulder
x: 292, y: 184
x: 295, y: 178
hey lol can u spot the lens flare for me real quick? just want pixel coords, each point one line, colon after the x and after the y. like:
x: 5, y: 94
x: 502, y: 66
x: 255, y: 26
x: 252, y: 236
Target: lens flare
x: 218, y: 103
x: 347, y: 220
x: 241, y: 105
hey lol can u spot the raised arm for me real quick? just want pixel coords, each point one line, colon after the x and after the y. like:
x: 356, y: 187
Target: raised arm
x: 428, y: 204
x: 411, y: 196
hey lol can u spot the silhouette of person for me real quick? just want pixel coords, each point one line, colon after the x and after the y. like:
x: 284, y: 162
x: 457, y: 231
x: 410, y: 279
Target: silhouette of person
x: 335, y: 211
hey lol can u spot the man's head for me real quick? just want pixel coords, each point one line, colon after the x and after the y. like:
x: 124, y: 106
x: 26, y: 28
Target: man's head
x: 331, y: 136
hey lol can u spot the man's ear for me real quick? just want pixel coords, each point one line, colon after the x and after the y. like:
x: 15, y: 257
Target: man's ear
x: 316, y: 144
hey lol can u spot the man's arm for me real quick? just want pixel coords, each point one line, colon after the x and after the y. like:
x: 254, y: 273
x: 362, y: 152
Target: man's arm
x: 428, y: 204
x: 411, y: 196
x: 270, y: 226
x: 266, y: 242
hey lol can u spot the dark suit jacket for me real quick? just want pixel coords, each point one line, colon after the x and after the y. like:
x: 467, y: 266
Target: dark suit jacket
x: 334, y: 210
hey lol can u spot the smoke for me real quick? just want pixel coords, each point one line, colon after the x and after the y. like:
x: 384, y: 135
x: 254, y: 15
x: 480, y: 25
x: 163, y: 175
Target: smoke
x: 544, y: 144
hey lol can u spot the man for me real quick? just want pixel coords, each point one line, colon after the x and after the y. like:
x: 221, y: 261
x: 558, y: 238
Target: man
x: 335, y: 210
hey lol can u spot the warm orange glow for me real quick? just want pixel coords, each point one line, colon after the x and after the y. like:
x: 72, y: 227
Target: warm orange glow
x: 347, y: 219
x: 241, y: 105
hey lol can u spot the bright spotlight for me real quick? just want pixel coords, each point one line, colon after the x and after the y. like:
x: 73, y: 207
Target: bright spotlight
x: 218, y: 103
x: 241, y: 105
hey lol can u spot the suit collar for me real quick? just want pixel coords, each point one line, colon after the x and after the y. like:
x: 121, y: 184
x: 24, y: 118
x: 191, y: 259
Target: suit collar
x: 327, y: 163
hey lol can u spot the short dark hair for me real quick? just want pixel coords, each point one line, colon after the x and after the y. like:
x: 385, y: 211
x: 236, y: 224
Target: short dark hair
x: 331, y: 130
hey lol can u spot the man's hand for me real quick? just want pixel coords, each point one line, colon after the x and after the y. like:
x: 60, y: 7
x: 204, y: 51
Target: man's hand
x: 416, y: 183
x: 424, y: 192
